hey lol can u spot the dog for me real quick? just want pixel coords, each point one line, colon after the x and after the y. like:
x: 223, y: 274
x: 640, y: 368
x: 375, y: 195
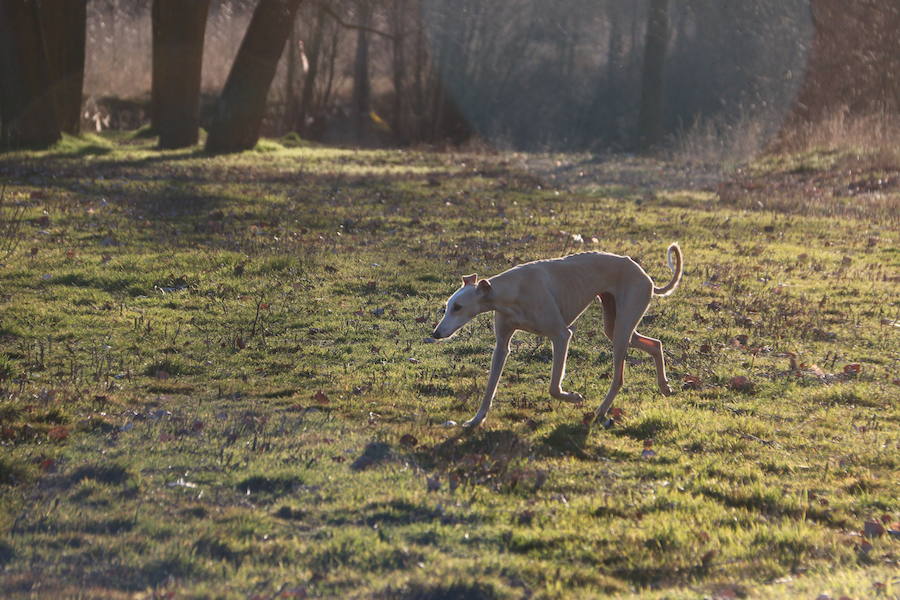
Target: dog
x: 546, y: 297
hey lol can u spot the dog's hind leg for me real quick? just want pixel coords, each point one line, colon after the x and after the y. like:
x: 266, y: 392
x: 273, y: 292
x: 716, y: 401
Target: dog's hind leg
x: 504, y: 334
x: 619, y: 326
x: 560, y: 351
x: 653, y: 347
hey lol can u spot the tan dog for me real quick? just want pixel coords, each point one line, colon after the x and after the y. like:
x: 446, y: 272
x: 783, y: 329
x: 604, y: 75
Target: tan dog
x: 546, y: 296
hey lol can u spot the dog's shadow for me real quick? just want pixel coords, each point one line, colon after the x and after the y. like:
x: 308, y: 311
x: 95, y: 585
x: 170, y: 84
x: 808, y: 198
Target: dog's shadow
x: 570, y: 439
x: 567, y: 439
x: 503, y: 443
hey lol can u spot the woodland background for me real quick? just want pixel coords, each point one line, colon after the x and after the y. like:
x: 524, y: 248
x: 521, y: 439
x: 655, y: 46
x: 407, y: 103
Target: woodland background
x: 602, y: 76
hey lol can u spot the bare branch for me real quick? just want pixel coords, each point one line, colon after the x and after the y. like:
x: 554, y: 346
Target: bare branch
x: 346, y: 25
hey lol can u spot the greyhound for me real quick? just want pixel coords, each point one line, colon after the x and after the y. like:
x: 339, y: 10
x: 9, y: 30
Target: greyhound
x: 546, y: 297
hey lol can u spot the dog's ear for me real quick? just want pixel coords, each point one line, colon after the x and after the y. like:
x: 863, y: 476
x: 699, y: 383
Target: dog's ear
x: 484, y: 286
x: 469, y: 279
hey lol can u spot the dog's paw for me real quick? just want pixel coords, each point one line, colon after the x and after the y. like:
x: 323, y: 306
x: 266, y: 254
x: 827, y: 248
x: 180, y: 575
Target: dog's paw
x: 573, y: 397
x: 472, y: 423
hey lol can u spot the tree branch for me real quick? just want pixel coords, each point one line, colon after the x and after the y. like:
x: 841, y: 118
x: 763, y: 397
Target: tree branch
x: 327, y: 9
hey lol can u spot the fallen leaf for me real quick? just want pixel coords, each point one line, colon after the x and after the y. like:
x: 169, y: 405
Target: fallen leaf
x: 321, y: 397
x: 58, y: 433
x: 691, y: 382
x: 740, y: 383
x: 852, y: 369
x: 873, y: 529
x: 408, y: 440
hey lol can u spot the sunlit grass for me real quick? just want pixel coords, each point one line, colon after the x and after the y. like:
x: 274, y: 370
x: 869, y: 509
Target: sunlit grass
x: 214, y: 382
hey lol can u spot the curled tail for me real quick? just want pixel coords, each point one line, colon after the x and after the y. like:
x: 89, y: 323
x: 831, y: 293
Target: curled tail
x: 676, y: 267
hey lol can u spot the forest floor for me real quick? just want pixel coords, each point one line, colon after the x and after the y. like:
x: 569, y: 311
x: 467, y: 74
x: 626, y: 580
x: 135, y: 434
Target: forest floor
x: 215, y: 379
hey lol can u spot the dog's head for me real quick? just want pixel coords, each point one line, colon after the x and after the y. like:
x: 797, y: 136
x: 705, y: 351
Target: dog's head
x: 468, y: 301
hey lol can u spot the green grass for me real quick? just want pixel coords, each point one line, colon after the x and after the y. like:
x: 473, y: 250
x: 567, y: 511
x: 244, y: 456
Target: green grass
x: 214, y: 382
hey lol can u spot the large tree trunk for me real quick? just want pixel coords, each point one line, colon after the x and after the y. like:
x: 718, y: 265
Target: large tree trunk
x: 65, y: 23
x: 239, y: 110
x: 650, y: 120
x: 26, y: 103
x: 178, y: 31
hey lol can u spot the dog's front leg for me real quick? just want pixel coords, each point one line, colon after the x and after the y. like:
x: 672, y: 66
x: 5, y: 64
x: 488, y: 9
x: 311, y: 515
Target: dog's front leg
x: 503, y: 334
x: 560, y: 351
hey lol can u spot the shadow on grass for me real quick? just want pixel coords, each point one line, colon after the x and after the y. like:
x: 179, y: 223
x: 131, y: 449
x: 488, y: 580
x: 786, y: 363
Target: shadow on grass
x: 568, y: 440
x: 453, y: 591
x: 394, y: 513
x: 498, y: 444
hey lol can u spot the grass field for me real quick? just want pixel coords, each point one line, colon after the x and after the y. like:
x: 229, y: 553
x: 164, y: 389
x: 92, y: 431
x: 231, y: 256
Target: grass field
x: 214, y: 379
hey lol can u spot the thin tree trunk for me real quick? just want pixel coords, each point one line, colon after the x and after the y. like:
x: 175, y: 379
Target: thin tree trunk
x: 399, y: 67
x: 290, y: 83
x: 329, y: 85
x: 178, y: 59
x: 361, y: 85
x: 26, y: 102
x: 650, y: 126
x: 239, y: 110
x: 156, y: 75
x: 65, y: 24
x: 309, y: 82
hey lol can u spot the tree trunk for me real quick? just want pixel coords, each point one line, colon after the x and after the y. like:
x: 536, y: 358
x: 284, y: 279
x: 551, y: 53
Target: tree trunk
x: 399, y: 68
x: 309, y: 82
x: 361, y: 87
x: 179, y: 29
x: 26, y: 103
x: 852, y: 67
x: 156, y: 75
x: 650, y: 120
x: 290, y: 81
x: 65, y: 23
x: 239, y: 110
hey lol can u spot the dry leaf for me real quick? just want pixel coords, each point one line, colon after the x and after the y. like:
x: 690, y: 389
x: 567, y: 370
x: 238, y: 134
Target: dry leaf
x: 740, y: 383
x: 58, y: 433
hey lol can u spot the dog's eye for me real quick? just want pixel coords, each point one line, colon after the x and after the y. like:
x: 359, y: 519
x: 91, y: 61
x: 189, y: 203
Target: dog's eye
x: 456, y: 307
